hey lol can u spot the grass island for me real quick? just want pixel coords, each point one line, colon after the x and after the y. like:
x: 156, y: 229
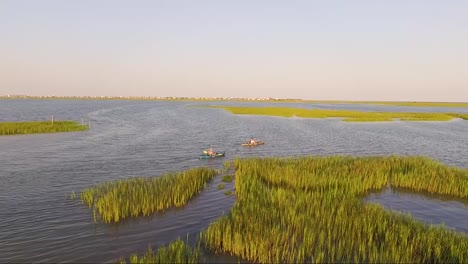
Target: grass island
x: 34, y: 127
x: 346, y: 115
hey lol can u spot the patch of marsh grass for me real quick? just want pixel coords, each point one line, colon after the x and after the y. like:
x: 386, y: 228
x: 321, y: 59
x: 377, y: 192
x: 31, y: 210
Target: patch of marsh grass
x: 117, y: 200
x: 16, y: 128
x: 177, y: 251
x: 310, y: 209
x: 346, y: 115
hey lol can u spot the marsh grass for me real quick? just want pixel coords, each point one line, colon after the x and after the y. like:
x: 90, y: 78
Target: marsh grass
x: 220, y: 186
x: 310, y: 209
x: 346, y: 115
x: 117, y: 200
x: 15, y: 128
x: 462, y: 116
x: 177, y: 251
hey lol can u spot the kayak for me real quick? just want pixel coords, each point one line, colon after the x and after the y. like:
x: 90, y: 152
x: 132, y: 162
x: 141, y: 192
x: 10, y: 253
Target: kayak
x: 206, y: 156
x: 251, y: 145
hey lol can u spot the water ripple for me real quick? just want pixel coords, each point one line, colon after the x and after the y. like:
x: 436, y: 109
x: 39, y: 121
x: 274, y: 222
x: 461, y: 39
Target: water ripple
x: 38, y: 223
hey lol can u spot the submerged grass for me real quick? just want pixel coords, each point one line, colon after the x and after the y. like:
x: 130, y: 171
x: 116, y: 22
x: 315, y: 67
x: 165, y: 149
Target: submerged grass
x: 227, y: 178
x: 310, y: 210
x: 15, y: 128
x: 346, y: 115
x: 117, y: 200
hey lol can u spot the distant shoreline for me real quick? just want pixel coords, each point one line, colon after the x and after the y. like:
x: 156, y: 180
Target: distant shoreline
x: 170, y: 98
x: 239, y: 99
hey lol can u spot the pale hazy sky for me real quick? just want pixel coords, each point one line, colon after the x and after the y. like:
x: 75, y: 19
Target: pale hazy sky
x: 410, y: 50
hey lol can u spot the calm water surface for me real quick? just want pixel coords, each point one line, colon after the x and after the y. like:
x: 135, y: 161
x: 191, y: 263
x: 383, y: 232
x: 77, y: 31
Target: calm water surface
x: 146, y: 138
x: 431, y: 209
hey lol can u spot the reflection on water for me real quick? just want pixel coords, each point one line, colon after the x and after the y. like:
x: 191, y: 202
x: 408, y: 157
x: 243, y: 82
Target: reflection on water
x: 432, y: 209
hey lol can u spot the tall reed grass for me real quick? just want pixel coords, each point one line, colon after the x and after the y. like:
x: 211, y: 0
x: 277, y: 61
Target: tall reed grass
x: 177, y: 251
x: 14, y: 128
x: 346, y: 115
x: 117, y: 200
x: 310, y: 210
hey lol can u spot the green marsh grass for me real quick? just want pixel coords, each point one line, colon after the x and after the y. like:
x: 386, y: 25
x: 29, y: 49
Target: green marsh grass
x: 346, y: 115
x: 177, y: 251
x: 15, y: 128
x: 117, y: 200
x: 462, y: 116
x: 310, y: 209
x: 221, y: 186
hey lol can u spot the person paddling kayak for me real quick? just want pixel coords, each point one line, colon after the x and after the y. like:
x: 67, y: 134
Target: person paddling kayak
x: 252, y: 142
x: 211, y: 152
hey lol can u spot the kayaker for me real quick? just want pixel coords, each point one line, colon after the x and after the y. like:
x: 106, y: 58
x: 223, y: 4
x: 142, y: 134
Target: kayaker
x: 211, y: 152
x: 252, y: 141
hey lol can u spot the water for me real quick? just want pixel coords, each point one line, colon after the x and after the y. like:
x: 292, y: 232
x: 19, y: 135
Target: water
x: 145, y: 138
x: 431, y: 209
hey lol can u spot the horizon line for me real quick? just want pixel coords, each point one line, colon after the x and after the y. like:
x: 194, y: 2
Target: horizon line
x: 18, y: 96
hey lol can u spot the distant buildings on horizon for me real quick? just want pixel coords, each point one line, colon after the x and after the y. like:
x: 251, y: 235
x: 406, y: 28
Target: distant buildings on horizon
x: 258, y: 99
x: 144, y: 97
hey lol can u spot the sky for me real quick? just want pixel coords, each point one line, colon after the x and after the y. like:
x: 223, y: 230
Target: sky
x: 392, y: 50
